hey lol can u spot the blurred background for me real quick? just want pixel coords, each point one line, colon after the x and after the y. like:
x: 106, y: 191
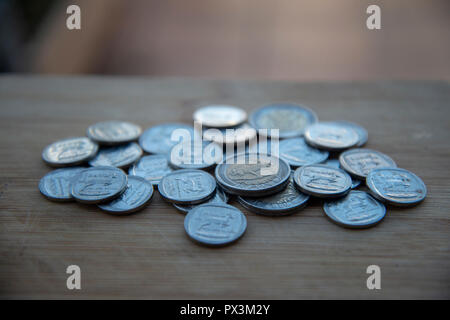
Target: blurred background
x: 256, y: 39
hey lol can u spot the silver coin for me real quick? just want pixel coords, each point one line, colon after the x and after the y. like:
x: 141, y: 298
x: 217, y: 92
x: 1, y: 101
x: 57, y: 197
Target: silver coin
x: 331, y: 136
x: 253, y: 175
x: 297, y: 153
x: 152, y: 168
x: 219, y: 197
x: 187, y: 186
x: 118, y: 156
x: 69, y: 152
x: 215, y: 224
x: 136, y: 195
x: 220, y: 116
x: 362, y: 133
x: 395, y: 186
x: 237, y: 135
x: 194, y: 155
x: 358, y: 209
x: 57, y: 184
x: 290, y: 119
x: 113, y: 132
x: 322, y: 181
x: 99, y: 184
x: 335, y: 164
x: 158, y: 139
x: 359, y: 162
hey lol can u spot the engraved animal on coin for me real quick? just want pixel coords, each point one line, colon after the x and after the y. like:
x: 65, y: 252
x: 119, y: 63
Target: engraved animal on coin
x: 331, y: 136
x: 359, y: 162
x: 57, y: 184
x: 69, y: 152
x: 297, y: 153
x: 335, y: 164
x: 152, y: 168
x: 219, y: 197
x: 113, y: 132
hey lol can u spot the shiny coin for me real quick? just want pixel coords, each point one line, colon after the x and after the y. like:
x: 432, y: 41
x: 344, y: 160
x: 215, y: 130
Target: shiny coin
x: 195, y: 155
x: 362, y: 133
x: 136, y: 195
x: 356, y: 210
x: 236, y: 135
x: 119, y: 156
x: 395, y: 186
x: 69, y: 152
x: 219, y: 197
x: 322, y: 181
x: 220, y: 116
x: 57, y: 184
x: 113, y: 132
x: 335, y: 164
x: 187, y: 186
x: 359, y: 162
x: 215, y: 224
x: 331, y: 136
x: 152, y: 168
x: 158, y: 139
x: 98, y: 184
x: 297, y: 153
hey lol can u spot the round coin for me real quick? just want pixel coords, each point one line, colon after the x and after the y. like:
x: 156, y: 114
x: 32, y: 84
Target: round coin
x: 220, y: 116
x: 219, y: 197
x: 358, y: 209
x: 113, y: 132
x: 297, y: 153
x: 195, y: 155
x: 238, y: 135
x: 335, y: 164
x: 118, y: 156
x: 69, y: 152
x: 215, y: 224
x: 331, y: 136
x: 362, y: 133
x: 158, y: 139
x: 57, y: 184
x: 359, y: 162
x: 152, y: 168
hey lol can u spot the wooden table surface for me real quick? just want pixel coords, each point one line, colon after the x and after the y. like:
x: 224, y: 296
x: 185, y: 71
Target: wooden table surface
x: 148, y: 255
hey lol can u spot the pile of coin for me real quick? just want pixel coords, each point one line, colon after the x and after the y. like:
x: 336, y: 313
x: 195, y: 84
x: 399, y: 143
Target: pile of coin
x: 323, y: 160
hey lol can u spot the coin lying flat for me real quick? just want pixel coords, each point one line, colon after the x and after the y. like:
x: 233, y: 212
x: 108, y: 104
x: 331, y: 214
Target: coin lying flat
x: 113, y: 132
x: 220, y: 116
x: 395, y: 186
x: 358, y: 209
x: 297, y: 153
x: 331, y: 136
x: 252, y: 175
x: 158, y: 139
x: 98, y: 184
x: 152, y: 168
x: 322, y: 181
x: 359, y: 162
x: 362, y: 133
x: 219, y: 197
x: 215, y: 224
x: 118, y: 156
x: 237, y: 135
x: 69, y: 152
x: 290, y: 119
x: 57, y: 184
x: 335, y: 164
x: 194, y: 155
x: 187, y: 186
x: 136, y: 195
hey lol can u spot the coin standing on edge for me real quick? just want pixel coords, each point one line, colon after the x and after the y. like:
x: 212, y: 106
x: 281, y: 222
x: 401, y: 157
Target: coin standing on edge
x: 118, y: 156
x: 359, y: 162
x: 152, y: 168
x: 69, y: 152
x: 113, y: 132
x: 335, y: 164
x: 331, y: 136
x: 57, y: 184
x: 158, y: 139
x: 220, y: 116
x: 297, y: 153
x: 219, y: 197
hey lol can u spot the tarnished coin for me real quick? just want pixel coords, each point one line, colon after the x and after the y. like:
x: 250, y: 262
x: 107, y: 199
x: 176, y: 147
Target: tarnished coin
x: 331, y: 136
x: 252, y: 174
x: 358, y: 209
x: 395, y: 186
x: 297, y: 153
x: 195, y: 155
x: 187, y: 186
x: 57, y: 184
x: 98, y: 184
x: 118, y: 156
x: 220, y: 116
x: 152, y: 168
x: 114, y: 132
x: 215, y: 224
x: 158, y: 139
x: 136, y: 195
x: 362, y: 133
x: 322, y: 181
x: 219, y: 197
x: 290, y: 119
x: 236, y: 135
x: 359, y: 162
x: 69, y: 152
x: 335, y: 164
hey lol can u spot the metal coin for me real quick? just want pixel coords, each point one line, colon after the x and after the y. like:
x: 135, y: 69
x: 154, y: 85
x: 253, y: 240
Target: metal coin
x: 119, y: 156
x: 158, y: 139
x: 219, y: 197
x: 395, y: 186
x: 113, y: 132
x: 322, y: 181
x: 297, y: 153
x: 215, y: 224
x: 359, y: 162
x: 362, y: 133
x: 290, y: 119
x: 331, y: 136
x: 136, y: 195
x: 220, y: 116
x: 57, y: 184
x: 152, y: 168
x: 69, y: 152
x: 192, y: 155
x: 237, y: 135
x: 252, y: 174
x: 335, y: 164
x: 356, y: 210
x: 99, y: 184
x: 187, y: 186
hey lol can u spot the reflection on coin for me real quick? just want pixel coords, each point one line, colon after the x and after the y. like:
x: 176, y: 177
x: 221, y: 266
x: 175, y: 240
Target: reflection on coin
x: 119, y: 156
x: 215, y: 224
x: 69, y: 152
x: 152, y: 168
x: 98, y: 184
x: 158, y: 139
x: 113, y: 132
x: 290, y: 119
x: 395, y: 186
x: 362, y: 133
x: 253, y: 175
x: 322, y: 181
x: 297, y: 153
x: 335, y: 164
x: 220, y: 116
x: 57, y: 184
x: 219, y: 197
x: 356, y: 210
x: 359, y: 162
x: 236, y: 135
x: 195, y: 155
x: 187, y: 186
x: 136, y: 195
x: 331, y: 136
